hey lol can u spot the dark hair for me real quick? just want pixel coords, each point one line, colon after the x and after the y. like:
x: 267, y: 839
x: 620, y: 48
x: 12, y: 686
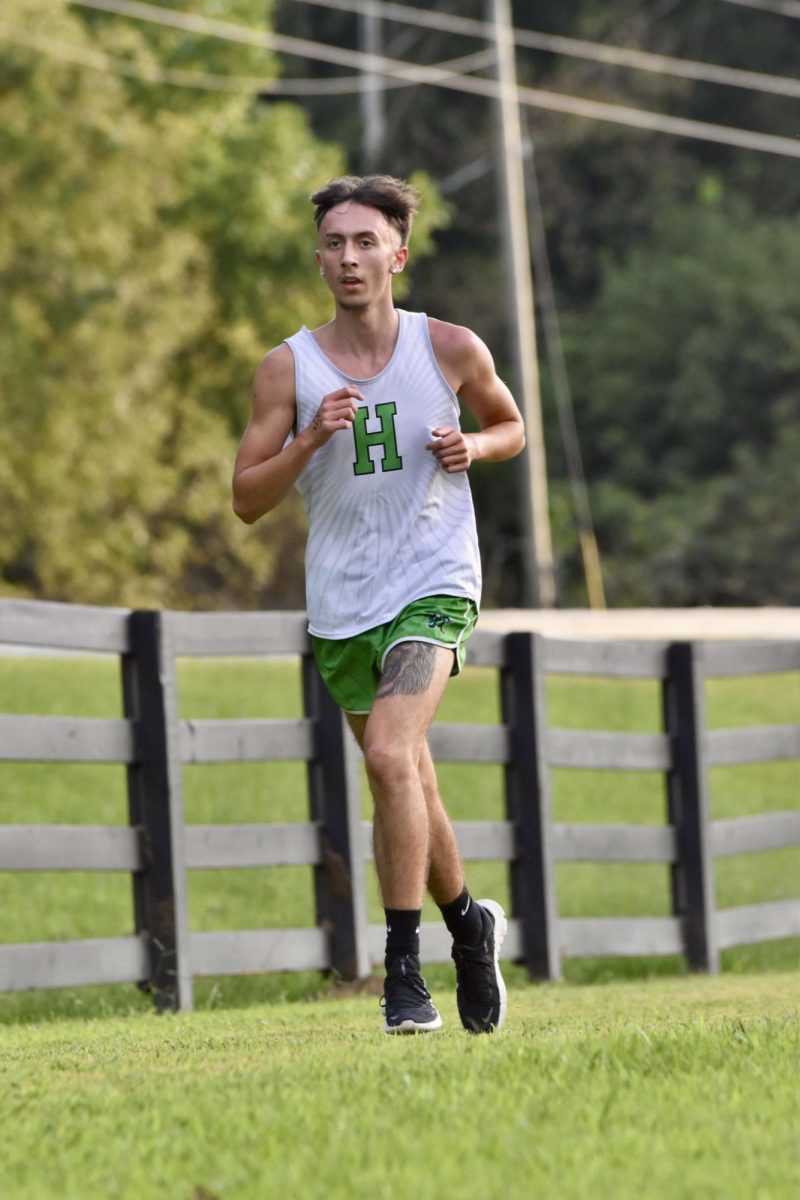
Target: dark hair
x: 396, y: 199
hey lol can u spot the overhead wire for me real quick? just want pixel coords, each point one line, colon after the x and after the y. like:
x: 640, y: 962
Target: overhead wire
x: 452, y: 80
x: 350, y: 84
x: 599, y: 52
x: 205, y: 81
x: 85, y: 56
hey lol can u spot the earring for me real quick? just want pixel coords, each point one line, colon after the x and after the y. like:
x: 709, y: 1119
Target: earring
x: 321, y: 271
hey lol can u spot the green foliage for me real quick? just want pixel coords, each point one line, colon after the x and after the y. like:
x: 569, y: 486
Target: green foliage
x: 116, y: 464
x: 167, y: 48
x: 686, y: 378
x: 156, y: 241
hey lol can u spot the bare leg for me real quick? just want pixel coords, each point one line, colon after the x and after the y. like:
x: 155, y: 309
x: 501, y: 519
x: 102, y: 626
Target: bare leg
x: 410, y: 812
x: 445, y: 872
x: 412, y: 833
x: 415, y: 844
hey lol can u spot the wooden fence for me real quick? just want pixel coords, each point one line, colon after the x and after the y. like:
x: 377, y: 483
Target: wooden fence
x: 158, y: 849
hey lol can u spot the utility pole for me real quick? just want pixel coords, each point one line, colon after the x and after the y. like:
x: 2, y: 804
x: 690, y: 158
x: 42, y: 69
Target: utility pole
x: 539, y: 575
x: 372, y: 95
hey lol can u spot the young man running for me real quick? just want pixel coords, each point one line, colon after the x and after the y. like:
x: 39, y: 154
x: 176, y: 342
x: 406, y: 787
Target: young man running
x: 362, y: 416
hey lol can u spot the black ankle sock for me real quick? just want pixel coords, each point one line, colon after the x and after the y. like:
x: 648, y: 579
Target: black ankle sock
x: 402, y: 930
x: 462, y: 917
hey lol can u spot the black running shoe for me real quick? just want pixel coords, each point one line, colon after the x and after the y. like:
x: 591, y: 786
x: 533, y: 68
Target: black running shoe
x: 407, y: 1005
x: 480, y: 990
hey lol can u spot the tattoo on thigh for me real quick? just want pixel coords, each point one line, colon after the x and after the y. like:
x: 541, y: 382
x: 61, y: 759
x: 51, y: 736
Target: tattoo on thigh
x: 408, y: 670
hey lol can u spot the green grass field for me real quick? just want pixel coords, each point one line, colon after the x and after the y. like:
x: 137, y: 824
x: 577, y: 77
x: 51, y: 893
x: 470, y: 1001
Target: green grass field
x: 665, y: 1089
x: 631, y: 1079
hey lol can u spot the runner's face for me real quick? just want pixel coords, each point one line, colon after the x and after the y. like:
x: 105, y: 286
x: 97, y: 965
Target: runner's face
x: 359, y: 251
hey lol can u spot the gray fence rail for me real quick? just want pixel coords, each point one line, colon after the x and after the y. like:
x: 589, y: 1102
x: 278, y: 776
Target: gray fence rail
x: 158, y: 848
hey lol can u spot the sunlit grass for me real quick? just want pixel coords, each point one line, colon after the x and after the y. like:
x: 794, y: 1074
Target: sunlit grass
x: 669, y: 1088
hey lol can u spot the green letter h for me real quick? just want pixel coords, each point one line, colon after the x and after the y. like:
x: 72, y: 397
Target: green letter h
x: 386, y: 437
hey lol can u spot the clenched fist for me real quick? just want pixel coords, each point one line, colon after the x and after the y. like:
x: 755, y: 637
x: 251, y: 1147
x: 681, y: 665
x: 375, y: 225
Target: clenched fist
x: 337, y: 411
x: 453, y: 449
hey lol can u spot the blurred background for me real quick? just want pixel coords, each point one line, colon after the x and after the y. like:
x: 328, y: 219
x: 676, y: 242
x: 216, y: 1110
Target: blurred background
x: 156, y: 239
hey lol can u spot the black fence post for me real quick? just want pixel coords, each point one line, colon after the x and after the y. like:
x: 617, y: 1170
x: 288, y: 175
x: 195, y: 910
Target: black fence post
x: 155, y: 803
x: 334, y: 800
x: 693, y: 899
x: 528, y: 804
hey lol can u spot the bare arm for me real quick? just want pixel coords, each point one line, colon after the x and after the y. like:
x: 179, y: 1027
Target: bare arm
x: 469, y: 369
x: 267, y: 467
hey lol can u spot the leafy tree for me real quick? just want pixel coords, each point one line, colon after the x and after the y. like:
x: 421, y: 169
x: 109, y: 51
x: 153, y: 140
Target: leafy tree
x: 94, y: 300
x: 687, y: 379
x: 151, y: 250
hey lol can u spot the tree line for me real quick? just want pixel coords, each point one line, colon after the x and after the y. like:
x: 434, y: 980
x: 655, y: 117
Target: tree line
x: 157, y: 239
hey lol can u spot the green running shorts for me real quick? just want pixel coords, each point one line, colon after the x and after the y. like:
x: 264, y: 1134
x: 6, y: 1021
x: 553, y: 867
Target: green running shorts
x: 351, y: 667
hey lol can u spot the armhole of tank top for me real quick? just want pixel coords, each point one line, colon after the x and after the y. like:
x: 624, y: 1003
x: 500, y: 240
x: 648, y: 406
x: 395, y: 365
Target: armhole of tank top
x: 426, y: 330
x: 296, y: 358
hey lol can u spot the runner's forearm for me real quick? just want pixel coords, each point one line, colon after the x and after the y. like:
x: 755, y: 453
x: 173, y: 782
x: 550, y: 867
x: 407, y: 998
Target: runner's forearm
x: 259, y: 488
x: 497, y: 442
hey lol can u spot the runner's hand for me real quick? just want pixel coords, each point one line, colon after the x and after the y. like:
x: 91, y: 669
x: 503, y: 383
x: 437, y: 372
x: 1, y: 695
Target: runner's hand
x: 337, y: 411
x: 453, y: 449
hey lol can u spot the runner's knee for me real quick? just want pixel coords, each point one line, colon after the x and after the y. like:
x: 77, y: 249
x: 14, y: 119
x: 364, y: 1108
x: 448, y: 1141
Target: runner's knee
x: 389, y: 763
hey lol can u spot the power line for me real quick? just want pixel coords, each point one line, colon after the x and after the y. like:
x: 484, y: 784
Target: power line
x: 350, y: 84
x: 242, y: 84
x: 785, y: 8
x: 640, y: 60
x: 441, y: 77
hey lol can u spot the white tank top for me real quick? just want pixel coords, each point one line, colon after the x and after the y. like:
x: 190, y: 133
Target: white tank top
x: 387, y: 525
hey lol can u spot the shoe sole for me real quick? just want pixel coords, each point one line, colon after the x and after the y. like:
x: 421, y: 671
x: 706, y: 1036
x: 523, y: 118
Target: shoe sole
x: 500, y: 931
x: 410, y: 1026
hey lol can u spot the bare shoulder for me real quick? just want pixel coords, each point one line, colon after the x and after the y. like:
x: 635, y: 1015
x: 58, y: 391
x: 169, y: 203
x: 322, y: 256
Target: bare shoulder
x: 468, y: 366
x: 455, y: 343
x: 460, y: 353
x: 273, y: 382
